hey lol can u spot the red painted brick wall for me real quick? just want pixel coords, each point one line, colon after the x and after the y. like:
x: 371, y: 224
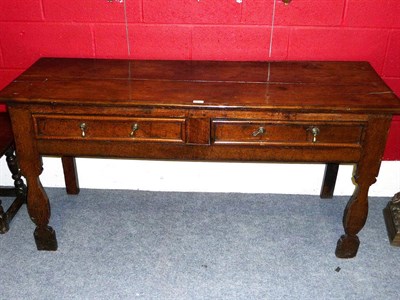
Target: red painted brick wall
x: 205, y: 29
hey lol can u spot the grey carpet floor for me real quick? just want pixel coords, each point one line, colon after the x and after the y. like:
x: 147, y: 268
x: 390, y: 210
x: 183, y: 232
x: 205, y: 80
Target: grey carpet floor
x: 156, y: 245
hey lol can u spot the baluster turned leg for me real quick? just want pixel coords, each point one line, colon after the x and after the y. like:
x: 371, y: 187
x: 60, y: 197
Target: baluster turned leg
x: 20, y: 187
x: 20, y: 191
x: 12, y: 162
x: 355, y: 216
x: 366, y: 172
x: 31, y: 164
x: 39, y: 211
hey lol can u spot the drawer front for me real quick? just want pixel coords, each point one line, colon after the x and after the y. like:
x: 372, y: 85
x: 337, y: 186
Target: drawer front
x: 110, y: 128
x: 290, y: 133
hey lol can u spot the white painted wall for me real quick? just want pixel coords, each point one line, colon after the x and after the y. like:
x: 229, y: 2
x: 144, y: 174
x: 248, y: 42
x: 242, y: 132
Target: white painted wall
x: 209, y: 177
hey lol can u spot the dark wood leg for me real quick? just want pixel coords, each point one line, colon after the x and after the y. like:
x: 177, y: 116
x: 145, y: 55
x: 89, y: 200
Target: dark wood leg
x: 6, y: 217
x: 70, y: 175
x: 3, y: 221
x: 19, y: 191
x: 31, y: 167
x: 39, y: 212
x: 367, y: 169
x: 12, y: 163
x: 329, y: 181
x: 355, y: 216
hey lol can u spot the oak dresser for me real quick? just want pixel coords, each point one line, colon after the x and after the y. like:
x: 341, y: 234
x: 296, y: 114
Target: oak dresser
x: 314, y: 112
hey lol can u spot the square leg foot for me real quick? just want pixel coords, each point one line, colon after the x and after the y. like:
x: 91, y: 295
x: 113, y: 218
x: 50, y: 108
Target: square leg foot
x: 45, y: 238
x: 347, y: 246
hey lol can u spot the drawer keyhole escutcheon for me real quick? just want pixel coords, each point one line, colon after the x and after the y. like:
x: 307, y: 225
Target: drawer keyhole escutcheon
x: 260, y: 131
x: 135, y: 127
x: 315, y: 132
x: 83, y: 127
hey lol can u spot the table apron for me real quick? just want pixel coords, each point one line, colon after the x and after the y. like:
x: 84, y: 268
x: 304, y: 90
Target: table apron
x: 185, y: 152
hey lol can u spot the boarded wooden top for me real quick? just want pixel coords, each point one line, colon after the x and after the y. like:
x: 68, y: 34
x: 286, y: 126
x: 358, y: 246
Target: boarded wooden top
x: 316, y: 86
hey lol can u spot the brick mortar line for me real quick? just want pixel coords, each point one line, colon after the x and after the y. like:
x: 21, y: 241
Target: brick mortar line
x: 201, y: 25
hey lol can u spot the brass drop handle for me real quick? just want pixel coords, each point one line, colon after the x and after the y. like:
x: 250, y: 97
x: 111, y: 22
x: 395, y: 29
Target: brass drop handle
x: 315, y: 133
x: 83, y: 128
x: 135, y: 127
x: 259, y: 131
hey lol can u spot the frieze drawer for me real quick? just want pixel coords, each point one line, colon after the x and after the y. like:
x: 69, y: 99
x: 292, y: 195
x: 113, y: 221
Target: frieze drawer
x: 296, y: 133
x: 110, y: 128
